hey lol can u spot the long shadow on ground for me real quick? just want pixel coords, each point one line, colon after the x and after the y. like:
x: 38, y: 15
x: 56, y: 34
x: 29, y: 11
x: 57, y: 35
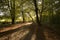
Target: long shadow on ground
x: 15, y: 30
x: 29, y: 35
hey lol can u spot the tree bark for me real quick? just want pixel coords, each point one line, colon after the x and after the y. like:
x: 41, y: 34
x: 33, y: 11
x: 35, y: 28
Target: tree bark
x: 36, y: 10
x: 23, y: 16
x: 39, y: 28
x: 12, y: 11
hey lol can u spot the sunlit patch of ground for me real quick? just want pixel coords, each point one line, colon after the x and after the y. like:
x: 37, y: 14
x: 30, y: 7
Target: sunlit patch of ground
x: 16, y: 35
x: 33, y: 37
x: 28, y: 33
x: 12, y: 27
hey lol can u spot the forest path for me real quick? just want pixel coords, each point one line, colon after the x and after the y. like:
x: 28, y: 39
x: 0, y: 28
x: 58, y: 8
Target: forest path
x: 51, y: 35
x: 26, y: 31
x: 14, y: 26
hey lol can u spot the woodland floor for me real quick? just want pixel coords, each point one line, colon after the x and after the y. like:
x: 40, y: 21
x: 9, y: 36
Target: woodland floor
x: 25, y: 31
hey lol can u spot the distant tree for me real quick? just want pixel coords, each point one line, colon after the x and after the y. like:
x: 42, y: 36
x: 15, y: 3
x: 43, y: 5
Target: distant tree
x: 22, y: 13
x: 12, y: 11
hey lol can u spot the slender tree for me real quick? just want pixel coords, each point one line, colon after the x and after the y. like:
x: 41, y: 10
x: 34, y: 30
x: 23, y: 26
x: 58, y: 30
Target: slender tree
x: 22, y: 11
x: 12, y: 11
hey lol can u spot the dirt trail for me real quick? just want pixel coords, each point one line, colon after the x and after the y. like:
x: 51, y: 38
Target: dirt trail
x: 51, y: 35
x: 12, y: 27
x: 27, y: 33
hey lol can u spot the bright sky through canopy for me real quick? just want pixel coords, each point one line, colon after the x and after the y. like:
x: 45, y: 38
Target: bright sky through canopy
x: 1, y: 14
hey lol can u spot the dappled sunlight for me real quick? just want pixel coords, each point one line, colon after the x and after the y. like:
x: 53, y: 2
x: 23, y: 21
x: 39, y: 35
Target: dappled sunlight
x: 2, y: 20
x: 27, y: 33
x: 29, y: 19
x: 28, y: 23
x: 14, y: 27
x: 16, y: 35
x: 33, y: 37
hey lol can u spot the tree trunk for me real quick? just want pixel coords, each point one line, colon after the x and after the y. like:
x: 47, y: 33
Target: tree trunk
x: 23, y: 17
x: 13, y: 11
x: 36, y: 10
x: 41, y: 12
x: 39, y: 28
